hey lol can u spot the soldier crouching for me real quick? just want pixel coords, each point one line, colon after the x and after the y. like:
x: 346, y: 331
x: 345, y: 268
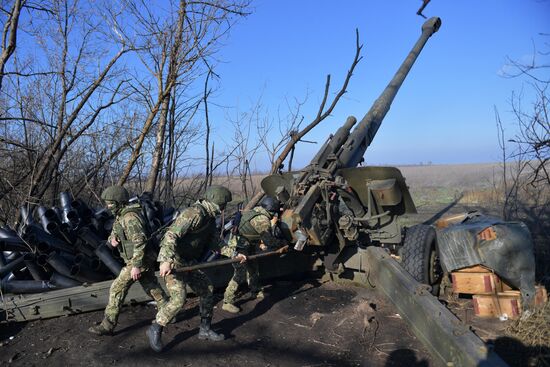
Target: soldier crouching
x: 254, y: 231
x: 183, y: 244
x: 130, y: 231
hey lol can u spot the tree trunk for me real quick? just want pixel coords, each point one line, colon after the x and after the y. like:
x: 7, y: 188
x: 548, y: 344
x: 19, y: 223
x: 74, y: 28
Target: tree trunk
x: 10, y: 32
x: 139, y: 143
x: 171, y: 148
x: 163, y: 98
x: 158, y: 155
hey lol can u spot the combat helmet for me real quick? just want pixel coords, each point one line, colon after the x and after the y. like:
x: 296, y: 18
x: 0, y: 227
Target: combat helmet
x: 115, y: 193
x: 270, y: 204
x: 219, y: 195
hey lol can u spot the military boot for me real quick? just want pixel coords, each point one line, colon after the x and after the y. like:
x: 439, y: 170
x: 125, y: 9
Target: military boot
x: 229, y: 307
x: 104, y: 328
x: 205, y: 333
x: 154, y: 333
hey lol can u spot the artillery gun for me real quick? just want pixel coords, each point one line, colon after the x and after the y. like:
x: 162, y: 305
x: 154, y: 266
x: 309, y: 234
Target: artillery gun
x: 339, y: 209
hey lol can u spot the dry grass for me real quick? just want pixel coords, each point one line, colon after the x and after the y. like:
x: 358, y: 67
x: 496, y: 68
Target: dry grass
x: 534, y: 333
x: 481, y: 196
x: 456, y: 176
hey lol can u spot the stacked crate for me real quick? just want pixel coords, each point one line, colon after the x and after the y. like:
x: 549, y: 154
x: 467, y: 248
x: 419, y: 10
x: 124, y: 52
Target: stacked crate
x: 491, y: 297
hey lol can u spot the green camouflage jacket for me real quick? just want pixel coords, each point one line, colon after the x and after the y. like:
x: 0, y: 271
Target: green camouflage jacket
x: 130, y: 231
x: 193, y: 231
x: 255, y: 227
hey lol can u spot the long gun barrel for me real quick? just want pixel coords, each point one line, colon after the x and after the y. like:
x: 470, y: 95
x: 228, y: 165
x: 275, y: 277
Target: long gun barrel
x: 345, y: 149
x: 351, y: 153
x: 333, y: 144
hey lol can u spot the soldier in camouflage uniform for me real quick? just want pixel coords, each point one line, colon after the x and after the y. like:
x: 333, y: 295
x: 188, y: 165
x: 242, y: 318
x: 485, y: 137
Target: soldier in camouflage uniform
x: 130, y: 232
x: 254, y: 232
x: 185, y: 242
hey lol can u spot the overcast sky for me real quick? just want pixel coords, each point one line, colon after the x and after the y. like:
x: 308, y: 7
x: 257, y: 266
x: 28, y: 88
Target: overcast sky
x: 444, y: 113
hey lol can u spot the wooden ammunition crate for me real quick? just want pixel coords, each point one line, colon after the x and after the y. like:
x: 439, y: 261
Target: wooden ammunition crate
x: 541, y: 295
x: 508, y: 302
x: 496, y: 305
x: 475, y: 269
x: 467, y: 282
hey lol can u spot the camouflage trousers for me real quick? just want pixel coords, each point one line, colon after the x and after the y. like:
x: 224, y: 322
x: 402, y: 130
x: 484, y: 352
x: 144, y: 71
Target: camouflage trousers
x: 247, y: 272
x: 175, y: 284
x: 119, y: 290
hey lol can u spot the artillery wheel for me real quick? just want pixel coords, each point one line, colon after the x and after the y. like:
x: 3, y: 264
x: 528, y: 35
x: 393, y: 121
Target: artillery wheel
x: 419, y: 256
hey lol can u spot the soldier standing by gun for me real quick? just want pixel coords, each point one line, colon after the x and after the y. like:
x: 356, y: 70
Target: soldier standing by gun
x: 130, y: 231
x: 184, y: 244
x: 254, y: 230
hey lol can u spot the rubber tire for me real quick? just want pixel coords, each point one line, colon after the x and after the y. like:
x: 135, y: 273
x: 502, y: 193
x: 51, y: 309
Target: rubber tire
x: 418, y: 248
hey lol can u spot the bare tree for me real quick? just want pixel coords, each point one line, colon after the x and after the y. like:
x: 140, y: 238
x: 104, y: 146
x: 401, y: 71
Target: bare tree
x: 9, y: 35
x: 209, y: 162
x: 532, y: 140
x: 286, y: 126
x: 174, y: 52
x: 63, y: 124
x: 75, y: 94
x: 422, y: 7
x: 244, y: 147
x: 52, y: 114
x: 526, y: 153
x: 533, y: 137
x: 323, y: 112
x: 183, y: 133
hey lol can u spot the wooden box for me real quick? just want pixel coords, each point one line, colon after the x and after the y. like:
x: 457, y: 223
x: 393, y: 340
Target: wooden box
x: 497, y: 305
x: 476, y: 283
x: 541, y: 295
x: 508, y: 302
x: 475, y: 269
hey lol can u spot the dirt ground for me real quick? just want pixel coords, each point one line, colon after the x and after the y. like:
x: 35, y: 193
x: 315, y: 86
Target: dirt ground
x: 299, y: 323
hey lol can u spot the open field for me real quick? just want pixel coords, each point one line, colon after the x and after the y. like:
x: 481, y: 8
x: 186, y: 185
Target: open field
x: 444, y: 182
